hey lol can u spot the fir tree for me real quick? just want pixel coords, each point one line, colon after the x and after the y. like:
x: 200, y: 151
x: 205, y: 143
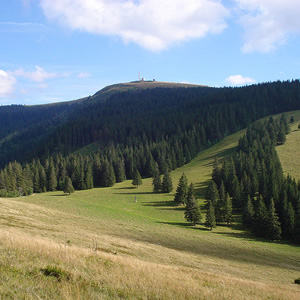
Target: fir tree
x: 210, y: 221
x: 248, y: 212
x: 108, y: 174
x: 227, y: 209
x: 192, y: 210
x: 261, y: 217
x: 212, y: 194
x: 137, y: 179
x: 52, y: 180
x: 167, y: 185
x: 273, y: 230
x: 68, y: 188
x: 296, y: 233
x: 156, y: 181
x: 289, y: 220
x: 182, y: 190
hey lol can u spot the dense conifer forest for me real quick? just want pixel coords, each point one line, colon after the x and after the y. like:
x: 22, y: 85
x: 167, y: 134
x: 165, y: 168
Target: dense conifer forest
x: 148, y: 131
x: 254, y: 182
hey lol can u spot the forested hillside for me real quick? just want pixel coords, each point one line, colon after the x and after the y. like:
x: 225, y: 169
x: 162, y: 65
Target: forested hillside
x: 134, y: 130
x: 254, y: 182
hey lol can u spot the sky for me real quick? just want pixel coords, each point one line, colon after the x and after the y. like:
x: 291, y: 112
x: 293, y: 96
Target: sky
x: 60, y: 50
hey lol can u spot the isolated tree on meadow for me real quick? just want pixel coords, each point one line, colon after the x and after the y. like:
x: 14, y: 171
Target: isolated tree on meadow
x: 68, y: 188
x: 182, y: 190
x: 137, y: 179
x: 210, y: 221
x: 167, y: 185
x: 192, y: 211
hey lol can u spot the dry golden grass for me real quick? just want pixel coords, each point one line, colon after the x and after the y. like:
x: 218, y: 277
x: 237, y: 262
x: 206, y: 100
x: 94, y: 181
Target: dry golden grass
x: 99, y: 275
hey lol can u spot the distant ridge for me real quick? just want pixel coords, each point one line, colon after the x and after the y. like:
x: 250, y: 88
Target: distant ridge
x: 139, y: 85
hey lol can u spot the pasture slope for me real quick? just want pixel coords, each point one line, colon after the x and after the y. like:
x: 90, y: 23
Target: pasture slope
x: 101, y: 244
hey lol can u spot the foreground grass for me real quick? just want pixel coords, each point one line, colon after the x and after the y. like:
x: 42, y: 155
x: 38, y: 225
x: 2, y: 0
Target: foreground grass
x: 115, y: 248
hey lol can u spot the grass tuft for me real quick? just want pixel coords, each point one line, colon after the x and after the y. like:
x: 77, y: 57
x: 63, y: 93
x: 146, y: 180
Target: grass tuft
x: 58, y: 273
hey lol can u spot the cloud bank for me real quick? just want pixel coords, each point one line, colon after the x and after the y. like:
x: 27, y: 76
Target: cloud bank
x: 239, y: 80
x: 39, y: 75
x: 152, y: 24
x: 7, y: 83
x: 268, y: 23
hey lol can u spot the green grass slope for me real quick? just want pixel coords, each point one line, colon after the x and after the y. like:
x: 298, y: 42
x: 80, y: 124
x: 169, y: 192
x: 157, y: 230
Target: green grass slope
x: 289, y: 153
x: 104, y: 245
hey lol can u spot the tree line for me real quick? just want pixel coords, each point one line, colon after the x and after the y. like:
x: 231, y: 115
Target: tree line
x: 141, y: 130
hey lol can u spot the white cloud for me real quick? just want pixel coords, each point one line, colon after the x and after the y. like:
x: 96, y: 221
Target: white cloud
x: 7, y: 83
x: 239, y: 80
x: 268, y: 23
x: 152, y: 24
x: 39, y: 75
x: 83, y: 75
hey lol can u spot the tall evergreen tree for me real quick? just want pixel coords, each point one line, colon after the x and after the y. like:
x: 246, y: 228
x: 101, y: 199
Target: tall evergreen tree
x: 182, y: 190
x: 248, y: 212
x: 210, y: 221
x: 273, y: 230
x: 68, y: 186
x: 137, y: 179
x: 51, y: 178
x: 212, y: 194
x: 108, y: 174
x: 167, y: 185
x: 156, y: 180
x: 296, y: 233
x: 192, y: 211
x: 261, y: 217
x: 228, y: 209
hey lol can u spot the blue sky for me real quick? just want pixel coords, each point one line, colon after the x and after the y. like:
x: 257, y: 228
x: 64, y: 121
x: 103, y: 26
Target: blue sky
x: 59, y: 50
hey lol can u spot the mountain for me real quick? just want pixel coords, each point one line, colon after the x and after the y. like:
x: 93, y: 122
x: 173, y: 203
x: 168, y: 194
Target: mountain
x: 130, y: 114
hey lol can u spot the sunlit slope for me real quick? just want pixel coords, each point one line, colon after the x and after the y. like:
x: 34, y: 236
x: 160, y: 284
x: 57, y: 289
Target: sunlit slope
x: 114, y: 247
x: 289, y: 153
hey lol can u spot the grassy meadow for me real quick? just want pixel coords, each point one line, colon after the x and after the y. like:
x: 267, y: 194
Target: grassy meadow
x: 104, y: 245
x: 289, y: 153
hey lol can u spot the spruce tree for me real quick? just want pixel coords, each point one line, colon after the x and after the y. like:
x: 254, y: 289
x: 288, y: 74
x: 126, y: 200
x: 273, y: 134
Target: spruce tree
x: 296, y: 233
x: 289, y: 220
x: 68, y: 188
x: 220, y: 204
x: 137, y: 179
x: 261, y: 217
x: 228, y: 209
x: 167, y: 185
x: 273, y: 230
x: 248, y: 213
x: 156, y: 181
x: 108, y: 174
x: 212, y: 194
x: 182, y: 190
x: 192, y: 210
x: 210, y: 221
x: 52, y: 180
x: 36, y: 181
